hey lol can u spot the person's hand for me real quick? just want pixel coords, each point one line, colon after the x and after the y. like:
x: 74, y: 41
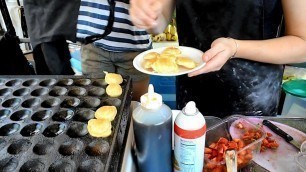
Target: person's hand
x: 222, y: 49
x: 144, y: 13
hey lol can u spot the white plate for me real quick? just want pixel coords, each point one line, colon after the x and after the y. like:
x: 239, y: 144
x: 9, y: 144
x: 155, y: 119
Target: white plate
x: 192, y: 53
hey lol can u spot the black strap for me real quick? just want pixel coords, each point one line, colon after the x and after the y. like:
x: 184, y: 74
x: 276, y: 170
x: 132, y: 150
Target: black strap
x: 7, y: 19
x: 108, y: 29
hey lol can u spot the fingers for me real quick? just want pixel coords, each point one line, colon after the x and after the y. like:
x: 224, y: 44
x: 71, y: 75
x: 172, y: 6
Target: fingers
x: 142, y: 13
x: 214, y: 64
x: 221, y: 50
x: 209, y: 54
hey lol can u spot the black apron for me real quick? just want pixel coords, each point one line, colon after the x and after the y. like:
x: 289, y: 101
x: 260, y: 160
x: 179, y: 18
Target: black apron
x: 241, y: 86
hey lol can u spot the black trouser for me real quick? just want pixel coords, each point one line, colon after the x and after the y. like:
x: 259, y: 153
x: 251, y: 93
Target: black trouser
x: 53, y: 58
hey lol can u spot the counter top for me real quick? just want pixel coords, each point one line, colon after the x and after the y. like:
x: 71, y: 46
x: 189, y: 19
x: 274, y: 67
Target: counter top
x: 129, y: 166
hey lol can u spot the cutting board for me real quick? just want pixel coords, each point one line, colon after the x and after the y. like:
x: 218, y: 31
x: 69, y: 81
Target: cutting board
x: 281, y: 159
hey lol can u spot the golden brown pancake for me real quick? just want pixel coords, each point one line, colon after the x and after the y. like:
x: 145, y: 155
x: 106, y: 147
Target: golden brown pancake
x: 165, y: 65
x: 99, y: 127
x: 147, y: 64
x: 114, y: 90
x: 113, y: 78
x: 106, y: 112
x: 152, y: 55
x: 172, y: 50
x: 169, y: 56
x: 186, y: 62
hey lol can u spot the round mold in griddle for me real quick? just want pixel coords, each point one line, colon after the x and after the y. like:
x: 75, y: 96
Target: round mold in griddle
x: 65, y: 82
x: 82, y: 82
x: 77, y: 129
x: 70, y: 102
x: 62, y: 165
x: 30, y: 103
x: 91, y: 165
x: 34, y: 165
x: 31, y: 129
x: 63, y: 115
x: 51, y: 102
x: 13, y: 83
x: 41, y: 115
x: 90, y: 102
x: 9, y: 164
x: 30, y: 82
x: 12, y: 103
x: 54, y: 130
x: 96, y: 91
x: 71, y: 147
x: 99, y: 83
x: 84, y: 115
x: 5, y: 92
x: 21, y: 92
x: 2, y: 143
x: 39, y: 92
x: 77, y: 91
x: 21, y: 115
x: 2, y: 81
x: 4, y: 113
x: 9, y: 129
x: 47, y: 82
x: 58, y: 91
x: 43, y: 148
x: 19, y: 146
x: 112, y: 102
x: 97, y: 148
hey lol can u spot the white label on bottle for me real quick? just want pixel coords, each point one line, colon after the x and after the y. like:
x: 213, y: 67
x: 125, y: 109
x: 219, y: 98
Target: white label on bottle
x: 189, y: 154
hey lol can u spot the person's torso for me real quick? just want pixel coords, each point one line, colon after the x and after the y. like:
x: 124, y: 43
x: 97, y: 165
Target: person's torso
x: 124, y: 37
x: 241, y: 85
x: 51, y: 20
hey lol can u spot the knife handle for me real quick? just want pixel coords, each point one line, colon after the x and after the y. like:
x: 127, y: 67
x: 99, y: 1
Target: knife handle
x: 277, y: 130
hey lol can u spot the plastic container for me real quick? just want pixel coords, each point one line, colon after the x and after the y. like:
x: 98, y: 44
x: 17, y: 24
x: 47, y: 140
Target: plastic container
x: 152, y: 124
x: 295, y: 101
x: 300, y: 160
x: 189, y: 139
x: 303, y: 147
x: 227, y: 129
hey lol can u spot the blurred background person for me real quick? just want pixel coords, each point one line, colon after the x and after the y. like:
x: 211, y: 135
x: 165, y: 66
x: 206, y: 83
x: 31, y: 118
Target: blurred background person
x: 111, y: 41
x: 50, y: 24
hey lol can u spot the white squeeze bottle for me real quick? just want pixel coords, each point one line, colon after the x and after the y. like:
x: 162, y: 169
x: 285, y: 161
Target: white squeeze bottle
x: 152, y: 123
x: 189, y: 139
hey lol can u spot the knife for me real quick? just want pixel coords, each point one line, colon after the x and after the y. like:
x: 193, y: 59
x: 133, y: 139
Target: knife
x: 281, y: 133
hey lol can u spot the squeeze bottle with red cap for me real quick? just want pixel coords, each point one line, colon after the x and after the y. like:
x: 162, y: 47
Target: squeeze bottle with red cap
x: 189, y: 139
x: 152, y: 124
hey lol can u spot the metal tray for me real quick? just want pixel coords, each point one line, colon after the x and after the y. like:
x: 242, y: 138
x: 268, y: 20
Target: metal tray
x: 43, y: 123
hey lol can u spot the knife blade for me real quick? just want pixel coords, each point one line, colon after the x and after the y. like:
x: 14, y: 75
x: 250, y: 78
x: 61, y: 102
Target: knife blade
x: 281, y: 133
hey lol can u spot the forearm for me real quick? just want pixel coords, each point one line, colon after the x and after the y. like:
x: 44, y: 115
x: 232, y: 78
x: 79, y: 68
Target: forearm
x: 283, y: 50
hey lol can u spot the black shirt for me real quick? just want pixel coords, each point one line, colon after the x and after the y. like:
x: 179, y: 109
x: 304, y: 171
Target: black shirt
x: 241, y: 86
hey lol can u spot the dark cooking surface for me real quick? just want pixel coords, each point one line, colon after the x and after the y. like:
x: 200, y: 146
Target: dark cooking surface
x: 43, y: 124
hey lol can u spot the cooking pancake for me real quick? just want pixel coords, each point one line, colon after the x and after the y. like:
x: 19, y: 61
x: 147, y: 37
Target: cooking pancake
x: 106, y: 112
x: 99, y: 127
x: 114, y: 90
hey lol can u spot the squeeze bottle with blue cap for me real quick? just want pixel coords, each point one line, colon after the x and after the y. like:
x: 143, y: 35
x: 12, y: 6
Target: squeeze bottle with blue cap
x: 189, y: 139
x: 152, y: 124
